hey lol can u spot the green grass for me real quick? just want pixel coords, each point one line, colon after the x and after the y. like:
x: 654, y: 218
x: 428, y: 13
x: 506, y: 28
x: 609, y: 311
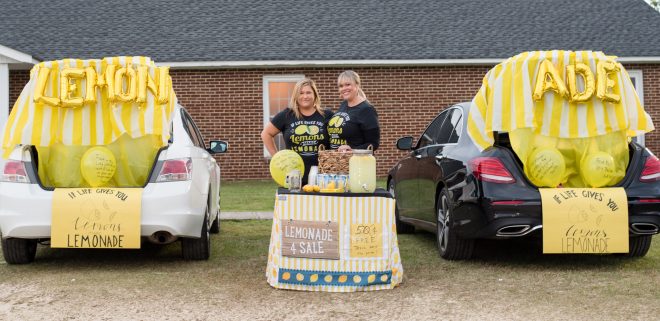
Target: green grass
x: 254, y: 195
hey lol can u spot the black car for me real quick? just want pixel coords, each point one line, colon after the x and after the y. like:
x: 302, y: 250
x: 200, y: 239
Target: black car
x: 446, y: 186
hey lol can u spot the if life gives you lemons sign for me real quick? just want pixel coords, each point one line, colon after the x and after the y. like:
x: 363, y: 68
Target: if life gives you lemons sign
x: 584, y: 220
x: 96, y: 218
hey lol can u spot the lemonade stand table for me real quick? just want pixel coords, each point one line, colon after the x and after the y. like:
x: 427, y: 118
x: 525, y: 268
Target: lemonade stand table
x: 334, y: 242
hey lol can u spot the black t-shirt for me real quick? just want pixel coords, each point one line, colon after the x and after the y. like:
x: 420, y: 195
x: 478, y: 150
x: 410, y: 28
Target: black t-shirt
x: 304, y: 135
x: 354, y: 126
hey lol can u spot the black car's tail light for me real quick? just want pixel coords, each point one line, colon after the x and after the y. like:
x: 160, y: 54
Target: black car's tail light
x: 651, y: 171
x: 491, y: 169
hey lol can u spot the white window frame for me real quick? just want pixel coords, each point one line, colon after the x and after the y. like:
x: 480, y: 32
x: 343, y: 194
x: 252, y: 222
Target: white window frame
x: 267, y: 79
x: 639, y: 87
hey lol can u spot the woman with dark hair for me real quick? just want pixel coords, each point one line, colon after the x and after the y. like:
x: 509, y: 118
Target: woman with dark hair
x: 303, y: 125
x: 355, y: 125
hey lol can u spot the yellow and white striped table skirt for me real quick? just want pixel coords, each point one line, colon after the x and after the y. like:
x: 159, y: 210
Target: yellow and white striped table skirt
x: 353, y: 269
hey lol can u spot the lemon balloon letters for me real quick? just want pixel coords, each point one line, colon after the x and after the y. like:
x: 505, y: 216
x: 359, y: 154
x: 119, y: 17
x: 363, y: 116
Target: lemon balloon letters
x: 546, y: 167
x: 98, y: 165
x: 597, y: 169
x: 282, y: 163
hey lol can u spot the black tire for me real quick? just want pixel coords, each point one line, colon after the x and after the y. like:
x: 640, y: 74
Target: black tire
x: 450, y: 246
x: 215, y: 226
x: 19, y: 251
x: 198, y: 248
x: 401, y: 227
x: 638, y: 246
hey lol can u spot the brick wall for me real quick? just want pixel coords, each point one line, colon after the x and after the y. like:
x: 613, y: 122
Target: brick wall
x: 227, y: 104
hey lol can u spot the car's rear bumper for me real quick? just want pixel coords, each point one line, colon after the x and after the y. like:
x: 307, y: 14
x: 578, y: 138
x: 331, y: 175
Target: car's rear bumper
x: 507, y: 221
x: 174, y: 207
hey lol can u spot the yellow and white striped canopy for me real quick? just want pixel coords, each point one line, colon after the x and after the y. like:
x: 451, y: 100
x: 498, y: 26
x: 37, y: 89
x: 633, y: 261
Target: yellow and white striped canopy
x: 108, y: 110
x: 506, y: 100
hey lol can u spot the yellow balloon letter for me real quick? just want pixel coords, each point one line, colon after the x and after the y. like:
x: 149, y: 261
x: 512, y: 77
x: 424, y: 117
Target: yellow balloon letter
x: 130, y: 92
x: 90, y: 85
x: 70, y: 94
x: 605, y: 84
x: 164, y: 83
x: 548, y: 78
x: 571, y: 79
x: 39, y: 91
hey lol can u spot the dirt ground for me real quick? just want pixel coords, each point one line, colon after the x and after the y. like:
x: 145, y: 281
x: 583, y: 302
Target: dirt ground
x: 154, y: 284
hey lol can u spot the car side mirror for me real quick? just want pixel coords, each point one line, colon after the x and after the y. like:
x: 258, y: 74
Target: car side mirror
x: 217, y: 146
x: 404, y: 143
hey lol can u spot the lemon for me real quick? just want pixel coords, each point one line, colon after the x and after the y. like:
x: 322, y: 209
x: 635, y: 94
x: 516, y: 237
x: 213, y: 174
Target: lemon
x: 313, y: 130
x: 328, y: 278
x: 316, y: 188
x: 300, y: 277
x: 331, y: 185
x: 286, y: 276
x: 314, y: 278
x: 339, y: 122
x: 333, y: 120
x: 302, y: 129
x: 357, y: 279
x: 343, y: 278
x: 371, y: 278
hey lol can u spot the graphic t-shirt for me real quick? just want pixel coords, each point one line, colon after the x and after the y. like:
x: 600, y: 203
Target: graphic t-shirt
x: 304, y: 135
x: 354, y: 126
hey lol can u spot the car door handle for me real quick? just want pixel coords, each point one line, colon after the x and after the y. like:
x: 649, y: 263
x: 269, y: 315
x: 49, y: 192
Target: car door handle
x: 440, y: 157
x: 418, y: 156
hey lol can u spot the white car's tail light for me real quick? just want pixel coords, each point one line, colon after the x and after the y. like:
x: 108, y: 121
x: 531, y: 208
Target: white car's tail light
x: 175, y: 170
x: 14, y: 171
x: 651, y: 171
x: 491, y: 169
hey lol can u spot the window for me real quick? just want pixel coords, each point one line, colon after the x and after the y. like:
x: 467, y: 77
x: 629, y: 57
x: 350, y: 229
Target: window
x: 637, y: 81
x: 192, y: 130
x: 431, y: 132
x: 277, y: 92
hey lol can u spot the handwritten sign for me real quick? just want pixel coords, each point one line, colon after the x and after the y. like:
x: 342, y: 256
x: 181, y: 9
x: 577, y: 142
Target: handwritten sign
x: 96, y: 218
x: 366, y: 240
x: 584, y: 220
x: 310, y: 239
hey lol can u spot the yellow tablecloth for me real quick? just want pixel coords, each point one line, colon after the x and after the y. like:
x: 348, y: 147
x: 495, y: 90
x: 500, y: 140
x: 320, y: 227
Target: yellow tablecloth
x: 354, y: 269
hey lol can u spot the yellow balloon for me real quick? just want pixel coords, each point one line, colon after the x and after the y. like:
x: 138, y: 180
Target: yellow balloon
x: 597, y: 169
x: 98, y: 165
x: 282, y: 163
x: 545, y: 167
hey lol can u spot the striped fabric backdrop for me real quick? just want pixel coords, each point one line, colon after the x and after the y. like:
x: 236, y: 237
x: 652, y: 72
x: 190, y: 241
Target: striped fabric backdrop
x: 99, y: 123
x: 354, y: 274
x: 504, y: 102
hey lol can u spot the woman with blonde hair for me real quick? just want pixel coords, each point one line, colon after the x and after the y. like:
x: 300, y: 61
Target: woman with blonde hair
x: 303, y: 125
x: 355, y: 125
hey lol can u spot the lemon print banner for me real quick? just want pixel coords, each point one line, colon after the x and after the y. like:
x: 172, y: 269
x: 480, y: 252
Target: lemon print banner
x: 563, y: 94
x: 91, y: 102
x: 368, y: 257
x: 585, y: 220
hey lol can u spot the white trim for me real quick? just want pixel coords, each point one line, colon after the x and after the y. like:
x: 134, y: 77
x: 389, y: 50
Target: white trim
x: 4, y: 94
x: 9, y: 55
x: 639, y: 88
x: 265, y: 95
x: 371, y: 62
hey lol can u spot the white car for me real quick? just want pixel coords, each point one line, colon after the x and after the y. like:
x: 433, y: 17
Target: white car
x: 180, y: 201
